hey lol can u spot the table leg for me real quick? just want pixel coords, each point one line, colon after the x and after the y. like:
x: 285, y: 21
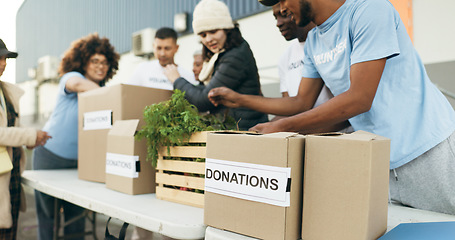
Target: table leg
x: 57, y: 206
x: 87, y: 214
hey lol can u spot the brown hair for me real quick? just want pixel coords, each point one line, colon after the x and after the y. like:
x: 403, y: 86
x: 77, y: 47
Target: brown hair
x: 77, y: 57
x: 233, y: 39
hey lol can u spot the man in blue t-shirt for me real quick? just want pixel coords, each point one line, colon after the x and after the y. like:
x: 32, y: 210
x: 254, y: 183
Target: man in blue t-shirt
x: 361, y: 51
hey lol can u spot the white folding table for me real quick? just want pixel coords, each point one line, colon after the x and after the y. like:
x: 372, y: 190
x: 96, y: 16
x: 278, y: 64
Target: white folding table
x: 167, y: 218
x: 145, y: 210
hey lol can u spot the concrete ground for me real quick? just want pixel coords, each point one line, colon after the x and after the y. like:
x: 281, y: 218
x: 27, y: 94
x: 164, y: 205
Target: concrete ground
x: 28, y: 225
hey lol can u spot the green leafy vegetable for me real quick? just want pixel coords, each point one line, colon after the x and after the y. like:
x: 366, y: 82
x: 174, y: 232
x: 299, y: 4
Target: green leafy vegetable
x: 172, y: 122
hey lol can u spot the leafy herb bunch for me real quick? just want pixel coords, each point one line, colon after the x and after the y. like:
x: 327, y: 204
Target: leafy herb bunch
x: 172, y: 122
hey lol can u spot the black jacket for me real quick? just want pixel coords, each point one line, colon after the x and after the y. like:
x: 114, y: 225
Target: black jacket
x: 237, y: 70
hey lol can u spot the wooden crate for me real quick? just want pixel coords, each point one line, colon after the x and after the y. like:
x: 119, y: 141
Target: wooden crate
x: 173, y: 174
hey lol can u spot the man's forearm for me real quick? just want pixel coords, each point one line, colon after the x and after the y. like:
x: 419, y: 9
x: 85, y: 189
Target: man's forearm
x: 335, y: 111
x: 277, y: 106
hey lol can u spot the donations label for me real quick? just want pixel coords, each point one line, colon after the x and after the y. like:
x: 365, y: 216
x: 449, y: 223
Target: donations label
x: 122, y: 165
x: 98, y: 120
x: 254, y: 182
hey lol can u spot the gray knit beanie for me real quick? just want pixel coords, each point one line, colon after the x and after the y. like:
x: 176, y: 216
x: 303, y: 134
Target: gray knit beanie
x: 210, y: 15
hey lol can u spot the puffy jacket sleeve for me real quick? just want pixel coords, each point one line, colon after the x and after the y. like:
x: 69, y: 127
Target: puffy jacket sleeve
x: 230, y: 71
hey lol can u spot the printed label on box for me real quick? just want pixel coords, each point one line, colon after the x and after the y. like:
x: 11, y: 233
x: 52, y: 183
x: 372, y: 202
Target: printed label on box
x: 122, y: 165
x: 254, y: 182
x: 98, y: 120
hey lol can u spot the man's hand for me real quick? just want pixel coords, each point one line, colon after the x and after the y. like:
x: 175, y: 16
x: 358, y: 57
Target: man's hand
x: 171, y: 72
x: 269, y: 127
x: 41, y: 139
x: 224, y: 96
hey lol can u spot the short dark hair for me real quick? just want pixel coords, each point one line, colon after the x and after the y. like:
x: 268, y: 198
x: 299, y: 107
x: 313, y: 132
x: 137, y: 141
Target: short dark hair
x: 166, y: 32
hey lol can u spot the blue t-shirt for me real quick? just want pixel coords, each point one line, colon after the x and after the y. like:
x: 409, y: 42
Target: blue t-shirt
x: 62, y: 124
x: 407, y: 108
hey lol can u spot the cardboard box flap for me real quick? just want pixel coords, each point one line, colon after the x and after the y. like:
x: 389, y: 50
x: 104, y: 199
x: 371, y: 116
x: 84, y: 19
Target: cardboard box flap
x: 281, y: 135
x: 327, y: 134
x: 363, y: 136
x: 269, y: 135
x: 372, y: 136
x: 98, y: 91
x: 124, y: 127
x: 234, y: 132
x: 356, y: 136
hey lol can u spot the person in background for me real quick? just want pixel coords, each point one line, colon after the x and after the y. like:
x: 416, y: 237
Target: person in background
x: 361, y: 51
x: 229, y: 62
x: 290, y: 65
x: 12, y: 139
x: 150, y: 73
x: 197, y: 64
x: 88, y: 64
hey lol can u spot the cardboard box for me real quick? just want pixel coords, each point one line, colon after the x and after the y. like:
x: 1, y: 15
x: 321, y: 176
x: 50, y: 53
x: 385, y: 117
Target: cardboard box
x: 98, y: 109
x: 249, y: 157
x: 346, y: 183
x: 127, y: 169
x: 179, y: 176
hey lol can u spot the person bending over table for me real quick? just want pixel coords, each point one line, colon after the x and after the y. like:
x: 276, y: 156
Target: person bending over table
x: 361, y: 51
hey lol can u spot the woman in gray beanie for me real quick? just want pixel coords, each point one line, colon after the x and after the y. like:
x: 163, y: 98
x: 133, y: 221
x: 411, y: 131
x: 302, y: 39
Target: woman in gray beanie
x: 228, y: 62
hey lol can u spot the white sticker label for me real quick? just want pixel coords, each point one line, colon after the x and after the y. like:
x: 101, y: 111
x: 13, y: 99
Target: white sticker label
x: 122, y: 165
x: 254, y: 182
x: 98, y: 120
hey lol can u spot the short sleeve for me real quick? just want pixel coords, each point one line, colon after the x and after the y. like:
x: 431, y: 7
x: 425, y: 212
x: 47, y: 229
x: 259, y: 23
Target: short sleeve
x: 374, y: 31
x: 282, y: 73
x: 309, y: 70
x: 62, y: 89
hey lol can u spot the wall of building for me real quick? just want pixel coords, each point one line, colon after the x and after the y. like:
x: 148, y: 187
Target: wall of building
x: 259, y: 30
x: 434, y: 33
x: 431, y: 28
x: 433, y: 39
x: 47, y: 27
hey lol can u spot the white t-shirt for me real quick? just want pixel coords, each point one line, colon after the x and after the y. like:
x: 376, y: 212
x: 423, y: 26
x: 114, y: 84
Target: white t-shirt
x: 150, y: 74
x: 290, y: 71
